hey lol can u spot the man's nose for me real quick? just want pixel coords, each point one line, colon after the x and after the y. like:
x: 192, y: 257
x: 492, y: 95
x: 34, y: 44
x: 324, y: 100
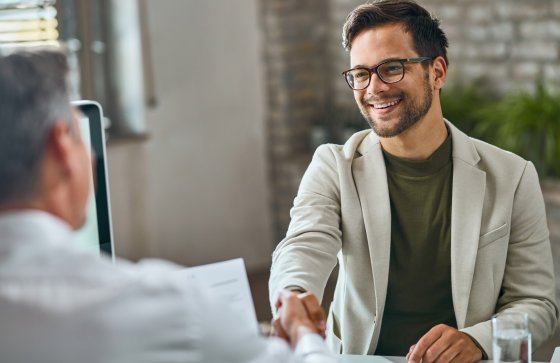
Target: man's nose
x: 376, y: 85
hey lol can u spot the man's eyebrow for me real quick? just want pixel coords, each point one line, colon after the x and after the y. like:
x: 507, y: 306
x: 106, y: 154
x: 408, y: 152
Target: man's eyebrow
x: 384, y: 60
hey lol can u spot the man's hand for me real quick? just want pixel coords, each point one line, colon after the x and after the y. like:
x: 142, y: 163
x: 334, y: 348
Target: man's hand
x: 443, y: 344
x: 298, y: 314
x: 314, y: 311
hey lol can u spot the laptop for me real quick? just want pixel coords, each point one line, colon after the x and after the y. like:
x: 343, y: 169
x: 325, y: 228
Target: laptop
x: 96, y: 236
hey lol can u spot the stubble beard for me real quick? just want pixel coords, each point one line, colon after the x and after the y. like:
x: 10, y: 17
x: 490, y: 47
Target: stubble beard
x: 411, y: 114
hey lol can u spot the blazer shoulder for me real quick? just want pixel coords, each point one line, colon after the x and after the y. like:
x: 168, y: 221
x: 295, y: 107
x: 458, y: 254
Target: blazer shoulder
x: 474, y: 151
x: 356, y: 146
x: 501, y: 166
x: 498, y: 164
x: 489, y: 152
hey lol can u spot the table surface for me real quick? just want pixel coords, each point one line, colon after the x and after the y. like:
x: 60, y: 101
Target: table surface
x: 347, y: 358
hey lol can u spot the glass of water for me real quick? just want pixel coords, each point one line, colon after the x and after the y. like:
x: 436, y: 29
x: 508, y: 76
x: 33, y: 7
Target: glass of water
x: 511, y: 338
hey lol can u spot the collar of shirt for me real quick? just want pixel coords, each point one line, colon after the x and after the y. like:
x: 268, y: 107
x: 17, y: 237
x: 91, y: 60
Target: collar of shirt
x: 32, y: 226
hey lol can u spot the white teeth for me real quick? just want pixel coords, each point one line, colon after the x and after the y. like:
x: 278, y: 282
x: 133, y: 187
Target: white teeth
x: 384, y: 105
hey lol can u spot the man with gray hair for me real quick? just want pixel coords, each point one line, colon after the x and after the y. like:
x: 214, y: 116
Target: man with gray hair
x: 59, y: 304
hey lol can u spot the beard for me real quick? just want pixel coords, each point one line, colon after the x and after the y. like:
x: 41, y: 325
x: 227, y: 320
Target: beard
x: 412, y: 112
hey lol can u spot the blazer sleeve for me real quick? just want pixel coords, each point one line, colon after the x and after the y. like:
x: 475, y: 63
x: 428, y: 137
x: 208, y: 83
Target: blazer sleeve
x: 307, y: 255
x: 528, y: 284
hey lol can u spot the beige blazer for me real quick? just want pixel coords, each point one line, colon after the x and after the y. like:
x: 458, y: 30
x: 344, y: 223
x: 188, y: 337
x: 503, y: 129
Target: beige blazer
x: 500, y: 250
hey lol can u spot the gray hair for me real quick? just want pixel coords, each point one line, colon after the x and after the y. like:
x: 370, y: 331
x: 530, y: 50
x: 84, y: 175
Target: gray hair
x: 33, y: 95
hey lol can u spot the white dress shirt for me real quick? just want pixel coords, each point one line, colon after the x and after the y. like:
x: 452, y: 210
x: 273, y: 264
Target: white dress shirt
x: 59, y: 304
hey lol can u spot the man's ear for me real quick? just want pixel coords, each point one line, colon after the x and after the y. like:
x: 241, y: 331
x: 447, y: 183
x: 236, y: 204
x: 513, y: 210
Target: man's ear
x: 59, y: 146
x: 439, y: 72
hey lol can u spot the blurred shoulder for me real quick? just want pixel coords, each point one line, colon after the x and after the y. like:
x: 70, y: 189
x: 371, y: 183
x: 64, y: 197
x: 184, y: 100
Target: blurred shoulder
x: 356, y: 146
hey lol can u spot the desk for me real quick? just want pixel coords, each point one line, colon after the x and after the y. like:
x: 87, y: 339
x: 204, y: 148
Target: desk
x: 347, y: 358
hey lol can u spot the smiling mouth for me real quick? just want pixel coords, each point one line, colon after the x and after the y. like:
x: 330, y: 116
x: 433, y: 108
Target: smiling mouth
x: 380, y: 106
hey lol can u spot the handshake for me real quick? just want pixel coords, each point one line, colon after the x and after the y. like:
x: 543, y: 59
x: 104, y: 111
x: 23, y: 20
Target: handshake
x: 298, y: 314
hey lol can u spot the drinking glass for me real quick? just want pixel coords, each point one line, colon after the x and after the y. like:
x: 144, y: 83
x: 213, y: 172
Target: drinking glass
x: 511, y: 338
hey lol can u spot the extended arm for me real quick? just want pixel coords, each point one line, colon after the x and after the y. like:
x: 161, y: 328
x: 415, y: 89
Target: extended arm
x: 307, y: 256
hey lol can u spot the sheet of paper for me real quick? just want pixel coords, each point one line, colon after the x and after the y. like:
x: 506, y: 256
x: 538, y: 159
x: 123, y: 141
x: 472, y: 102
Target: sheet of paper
x: 227, y: 282
x: 556, y: 356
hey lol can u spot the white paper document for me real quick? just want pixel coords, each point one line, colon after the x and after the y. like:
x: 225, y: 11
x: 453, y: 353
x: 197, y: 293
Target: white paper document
x: 556, y: 356
x: 227, y: 283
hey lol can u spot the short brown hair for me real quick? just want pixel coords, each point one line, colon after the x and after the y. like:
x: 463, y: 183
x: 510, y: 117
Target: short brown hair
x: 428, y: 38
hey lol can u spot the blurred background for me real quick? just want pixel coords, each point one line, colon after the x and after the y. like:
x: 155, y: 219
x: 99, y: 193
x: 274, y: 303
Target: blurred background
x: 215, y: 107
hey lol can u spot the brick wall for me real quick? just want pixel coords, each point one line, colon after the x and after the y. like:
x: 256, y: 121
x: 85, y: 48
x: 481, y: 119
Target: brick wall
x: 297, y: 75
x: 510, y: 42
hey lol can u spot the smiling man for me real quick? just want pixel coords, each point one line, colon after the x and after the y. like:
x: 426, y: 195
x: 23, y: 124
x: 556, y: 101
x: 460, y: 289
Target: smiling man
x: 434, y: 232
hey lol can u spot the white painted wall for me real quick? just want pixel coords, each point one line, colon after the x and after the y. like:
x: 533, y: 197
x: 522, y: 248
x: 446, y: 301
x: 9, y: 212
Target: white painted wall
x: 196, y: 190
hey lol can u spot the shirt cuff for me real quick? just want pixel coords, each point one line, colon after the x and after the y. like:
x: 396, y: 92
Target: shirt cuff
x: 311, y: 344
x: 295, y: 288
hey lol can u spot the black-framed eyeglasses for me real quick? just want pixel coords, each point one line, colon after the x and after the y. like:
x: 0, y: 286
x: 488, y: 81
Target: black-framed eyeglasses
x: 389, y: 71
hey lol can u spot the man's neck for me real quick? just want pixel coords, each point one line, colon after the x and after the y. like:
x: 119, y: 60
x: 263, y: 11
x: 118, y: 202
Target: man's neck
x: 36, y: 204
x: 22, y: 205
x: 419, y: 142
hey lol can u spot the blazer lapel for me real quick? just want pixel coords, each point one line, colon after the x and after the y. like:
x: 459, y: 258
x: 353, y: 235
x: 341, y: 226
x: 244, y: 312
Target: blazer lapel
x: 469, y: 184
x: 370, y: 177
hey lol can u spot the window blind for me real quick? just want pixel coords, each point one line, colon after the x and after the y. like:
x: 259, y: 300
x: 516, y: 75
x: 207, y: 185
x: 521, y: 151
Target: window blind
x: 28, y: 23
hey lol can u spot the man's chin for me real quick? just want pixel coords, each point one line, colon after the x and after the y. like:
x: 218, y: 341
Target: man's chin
x: 384, y: 131
x: 385, y: 127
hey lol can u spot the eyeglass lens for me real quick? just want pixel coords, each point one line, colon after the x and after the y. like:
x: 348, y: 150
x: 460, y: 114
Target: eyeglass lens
x: 389, y: 72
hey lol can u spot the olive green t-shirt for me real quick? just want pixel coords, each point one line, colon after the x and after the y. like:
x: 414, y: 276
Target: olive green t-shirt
x: 419, y: 286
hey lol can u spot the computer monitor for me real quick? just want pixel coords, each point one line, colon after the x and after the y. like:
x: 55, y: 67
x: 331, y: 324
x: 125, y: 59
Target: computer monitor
x: 96, y: 235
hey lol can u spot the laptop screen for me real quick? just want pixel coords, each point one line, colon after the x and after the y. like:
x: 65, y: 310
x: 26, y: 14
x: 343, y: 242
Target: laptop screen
x: 96, y: 234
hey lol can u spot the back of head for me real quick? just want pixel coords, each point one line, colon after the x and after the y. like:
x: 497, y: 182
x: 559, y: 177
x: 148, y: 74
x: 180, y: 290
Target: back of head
x: 33, y: 95
x: 428, y: 38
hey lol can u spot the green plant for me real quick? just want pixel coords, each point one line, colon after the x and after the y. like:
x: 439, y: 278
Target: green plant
x: 527, y: 124
x: 461, y: 103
